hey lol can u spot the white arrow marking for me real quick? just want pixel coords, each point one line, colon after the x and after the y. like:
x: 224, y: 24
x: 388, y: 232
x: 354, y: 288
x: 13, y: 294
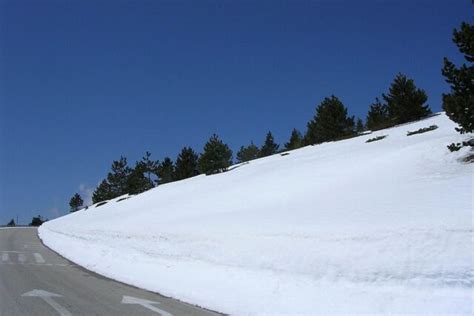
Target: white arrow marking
x: 145, y: 303
x: 48, y: 298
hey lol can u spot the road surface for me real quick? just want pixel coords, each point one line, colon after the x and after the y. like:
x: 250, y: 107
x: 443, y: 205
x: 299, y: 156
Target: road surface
x: 36, y: 281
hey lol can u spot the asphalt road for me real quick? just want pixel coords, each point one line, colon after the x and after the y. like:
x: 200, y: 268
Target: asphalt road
x: 36, y: 281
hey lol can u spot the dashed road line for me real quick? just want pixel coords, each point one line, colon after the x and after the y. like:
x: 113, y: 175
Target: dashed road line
x: 21, y: 258
x: 39, y: 264
x: 39, y: 258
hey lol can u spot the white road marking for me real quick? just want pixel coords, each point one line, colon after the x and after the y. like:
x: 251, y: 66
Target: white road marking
x: 5, y: 257
x: 21, y: 258
x: 39, y: 258
x: 145, y: 303
x: 48, y: 298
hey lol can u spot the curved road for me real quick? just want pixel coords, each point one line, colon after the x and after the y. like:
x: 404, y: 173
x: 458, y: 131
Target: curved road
x: 36, y: 281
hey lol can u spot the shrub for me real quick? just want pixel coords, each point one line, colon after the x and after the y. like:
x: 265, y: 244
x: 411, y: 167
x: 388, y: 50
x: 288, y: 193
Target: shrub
x: 101, y: 203
x: 455, y: 147
x: 423, y: 130
x: 375, y: 139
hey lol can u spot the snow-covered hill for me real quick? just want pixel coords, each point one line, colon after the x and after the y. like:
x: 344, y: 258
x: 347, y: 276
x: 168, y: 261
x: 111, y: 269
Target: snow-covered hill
x: 341, y: 227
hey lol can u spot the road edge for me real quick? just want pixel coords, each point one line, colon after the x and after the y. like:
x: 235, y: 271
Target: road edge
x: 123, y: 283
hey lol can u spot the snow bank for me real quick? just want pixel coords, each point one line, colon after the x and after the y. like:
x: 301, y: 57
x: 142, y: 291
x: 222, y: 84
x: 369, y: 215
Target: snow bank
x: 341, y: 227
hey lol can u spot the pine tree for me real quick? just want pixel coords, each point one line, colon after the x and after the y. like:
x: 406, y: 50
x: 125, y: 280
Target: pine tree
x: 116, y: 184
x: 330, y: 122
x: 186, y: 164
x: 459, y: 103
x: 165, y: 171
x: 247, y: 153
x: 103, y: 192
x: 377, y: 117
x: 359, y: 126
x: 118, y: 177
x: 76, y: 202
x: 296, y: 140
x: 405, y: 102
x: 37, y: 221
x: 216, y: 156
x: 148, y: 166
x: 11, y: 223
x: 137, y: 181
x: 269, y: 147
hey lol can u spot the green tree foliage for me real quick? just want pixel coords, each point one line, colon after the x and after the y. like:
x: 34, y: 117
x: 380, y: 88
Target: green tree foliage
x: 103, y: 192
x: 359, y: 126
x: 118, y: 177
x: 216, y: 156
x: 165, y: 171
x: 186, y: 164
x: 148, y: 166
x: 269, y: 147
x: 247, y: 153
x: 405, y: 102
x: 76, y: 202
x: 116, y: 184
x: 459, y: 103
x: 137, y: 181
x: 330, y: 122
x: 296, y: 140
x: 11, y: 223
x: 377, y: 117
x: 37, y: 221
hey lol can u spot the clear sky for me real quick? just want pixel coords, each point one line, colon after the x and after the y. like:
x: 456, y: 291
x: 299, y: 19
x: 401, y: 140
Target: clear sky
x: 82, y: 83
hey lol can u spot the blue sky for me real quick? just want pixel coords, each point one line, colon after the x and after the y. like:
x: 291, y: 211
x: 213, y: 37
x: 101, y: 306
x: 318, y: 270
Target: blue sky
x: 83, y: 82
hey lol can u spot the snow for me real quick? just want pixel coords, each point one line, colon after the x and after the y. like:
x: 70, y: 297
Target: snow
x: 342, y: 227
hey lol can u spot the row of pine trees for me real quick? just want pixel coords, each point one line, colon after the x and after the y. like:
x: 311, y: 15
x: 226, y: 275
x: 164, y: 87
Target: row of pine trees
x: 404, y: 102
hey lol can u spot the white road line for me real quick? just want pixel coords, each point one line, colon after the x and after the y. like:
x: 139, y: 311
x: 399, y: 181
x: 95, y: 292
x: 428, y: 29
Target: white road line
x: 21, y: 258
x: 5, y: 257
x: 39, y: 258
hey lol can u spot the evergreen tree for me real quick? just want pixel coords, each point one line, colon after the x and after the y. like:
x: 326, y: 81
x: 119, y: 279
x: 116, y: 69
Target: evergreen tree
x: 186, y: 164
x: 165, y: 171
x: 118, y: 178
x: 116, y: 183
x: 137, y: 181
x: 296, y: 140
x: 247, y: 153
x: 377, y: 117
x: 269, y: 147
x: 216, y: 156
x: 148, y: 166
x: 330, y: 122
x: 37, y: 221
x: 359, y: 126
x: 76, y: 202
x: 459, y: 103
x: 103, y: 192
x: 11, y: 223
x: 405, y: 102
